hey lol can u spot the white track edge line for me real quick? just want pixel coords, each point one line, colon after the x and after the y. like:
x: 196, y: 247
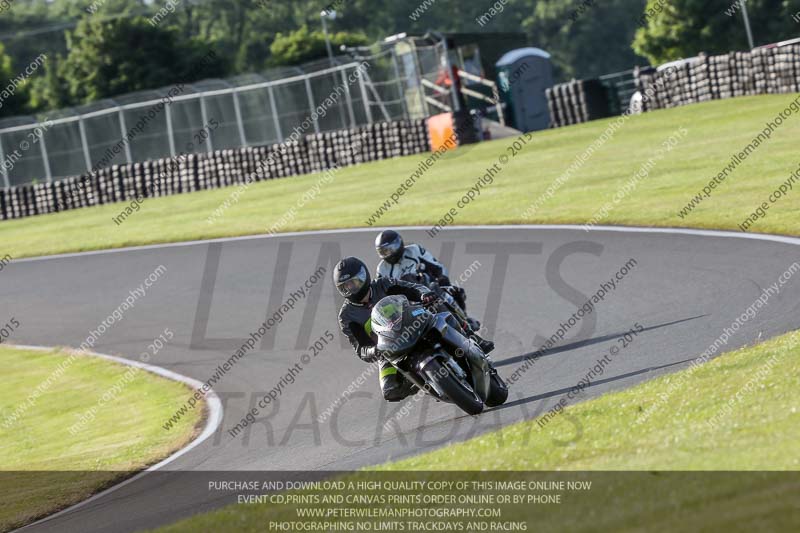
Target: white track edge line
x: 618, y: 229
x: 213, y: 422
x: 216, y: 416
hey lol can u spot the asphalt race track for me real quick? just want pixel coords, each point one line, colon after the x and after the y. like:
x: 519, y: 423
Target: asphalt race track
x: 682, y: 289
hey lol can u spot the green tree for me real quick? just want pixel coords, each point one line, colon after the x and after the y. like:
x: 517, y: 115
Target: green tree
x: 108, y: 58
x: 586, y: 40
x: 683, y: 28
x: 50, y: 91
x: 13, y: 92
x: 303, y: 45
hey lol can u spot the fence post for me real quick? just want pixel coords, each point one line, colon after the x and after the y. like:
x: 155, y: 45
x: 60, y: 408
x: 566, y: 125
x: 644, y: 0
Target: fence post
x: 349, y: 98
x: 45, y: 160
x: 311, y: 105
x: 275, y: 116
x: 365, y: 96
x: 400, y: 89
x: 124, y: 130
x: 6, y: 182
x: 170, y: 131
x: 423, y: 104
x: 239, y: 123
x: 449, y: 66
x: 85, y: 145
x: 204, y: 117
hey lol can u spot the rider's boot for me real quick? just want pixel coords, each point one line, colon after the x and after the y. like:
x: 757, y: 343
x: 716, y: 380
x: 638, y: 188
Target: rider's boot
x: 394, y: 386
x: 485, y: 345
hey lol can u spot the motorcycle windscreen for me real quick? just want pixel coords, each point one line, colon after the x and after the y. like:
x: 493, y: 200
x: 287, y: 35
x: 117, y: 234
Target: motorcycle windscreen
x: 398, y: 330
x: 387, y: 316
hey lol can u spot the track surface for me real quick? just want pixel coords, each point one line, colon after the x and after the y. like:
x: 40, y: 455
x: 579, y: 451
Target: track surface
x: 684, y: 290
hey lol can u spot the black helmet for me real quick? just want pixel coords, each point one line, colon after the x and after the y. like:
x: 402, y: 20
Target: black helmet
x: 389, y: 245
x: 351, y: 278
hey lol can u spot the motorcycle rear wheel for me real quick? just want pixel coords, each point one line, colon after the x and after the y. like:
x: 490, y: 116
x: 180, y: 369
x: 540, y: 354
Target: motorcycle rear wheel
x: 458, y: 392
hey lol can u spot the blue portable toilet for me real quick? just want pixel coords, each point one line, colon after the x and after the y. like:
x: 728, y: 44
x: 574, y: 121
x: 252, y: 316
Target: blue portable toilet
x: 523, y: 76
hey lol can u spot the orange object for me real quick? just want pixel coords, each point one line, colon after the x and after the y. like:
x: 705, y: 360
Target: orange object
x: 442, y: 132
x: 443, y: 79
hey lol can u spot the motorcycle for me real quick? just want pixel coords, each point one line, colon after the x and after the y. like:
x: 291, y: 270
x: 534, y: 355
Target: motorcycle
x: 431, y: 349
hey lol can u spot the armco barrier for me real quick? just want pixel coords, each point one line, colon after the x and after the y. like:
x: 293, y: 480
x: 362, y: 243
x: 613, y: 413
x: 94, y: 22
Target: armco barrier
x: 193, y: 172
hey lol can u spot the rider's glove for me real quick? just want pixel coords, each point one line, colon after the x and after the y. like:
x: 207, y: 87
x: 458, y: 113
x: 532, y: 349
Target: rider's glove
x: 370, y: 354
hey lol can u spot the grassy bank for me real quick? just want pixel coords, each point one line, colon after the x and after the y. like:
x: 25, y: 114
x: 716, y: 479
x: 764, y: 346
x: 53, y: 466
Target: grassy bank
x: 702, y: 425
x: 49, y: 458
x: 715, y: 131
x: 737, y: 412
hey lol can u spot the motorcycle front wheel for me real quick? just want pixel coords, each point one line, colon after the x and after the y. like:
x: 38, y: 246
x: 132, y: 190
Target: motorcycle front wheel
x: 498, y: 391
x: 455, y: 389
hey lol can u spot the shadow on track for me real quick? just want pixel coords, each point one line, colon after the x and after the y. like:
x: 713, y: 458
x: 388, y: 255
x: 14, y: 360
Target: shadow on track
x: 559, y: 392
x: 587, y: 342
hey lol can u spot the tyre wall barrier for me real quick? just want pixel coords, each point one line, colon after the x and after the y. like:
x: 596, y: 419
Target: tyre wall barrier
x: 221, y: 168
x: 577, y: 101
x: 761, y: 71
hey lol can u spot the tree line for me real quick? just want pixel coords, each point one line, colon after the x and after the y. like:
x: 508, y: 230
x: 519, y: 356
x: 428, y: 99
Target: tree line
x: 102, y: 48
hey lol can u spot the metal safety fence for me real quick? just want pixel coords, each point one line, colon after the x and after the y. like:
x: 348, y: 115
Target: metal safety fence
x: 211, y: 115
x: 183, y: 173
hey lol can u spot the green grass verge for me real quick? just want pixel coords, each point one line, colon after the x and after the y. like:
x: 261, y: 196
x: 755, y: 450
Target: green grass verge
x: 45, y: 467
x: 716, y: 130
x: 694, y: 429
x: 763, y: 427
x: 739, y: 411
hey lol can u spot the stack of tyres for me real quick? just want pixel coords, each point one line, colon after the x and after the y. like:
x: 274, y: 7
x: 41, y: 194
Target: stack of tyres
x: 570, y: 103
x: 576, y: 102
x: 701, y: 77
x: 746, y: 73
x: 644, y: 80
x: 594, y: 100
x: 557, y: 99
x: 220, y: 168
x: 785, y: 69
x: 316, y: 151
x: 760, y: 71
